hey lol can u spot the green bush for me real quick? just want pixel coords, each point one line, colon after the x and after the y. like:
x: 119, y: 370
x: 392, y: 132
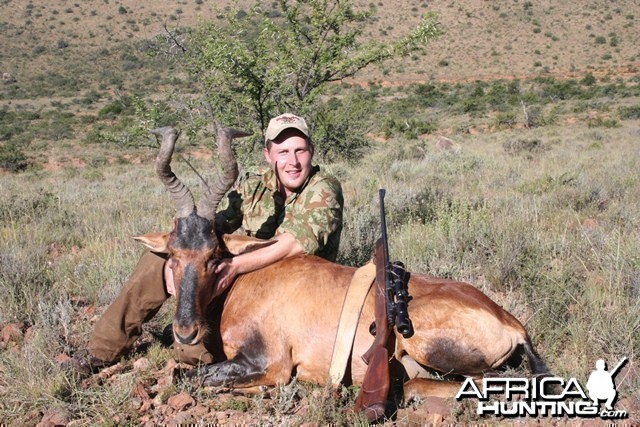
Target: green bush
x: 505, y: 120
x: 629, y: 113
x: 527, y: 146
x: 409, y: 128
x: 37, y: 50
x: 11, y: 157
x: 602, y: 122
x: 589, y: 79
x: 90, y: 98
x: 338, y: 130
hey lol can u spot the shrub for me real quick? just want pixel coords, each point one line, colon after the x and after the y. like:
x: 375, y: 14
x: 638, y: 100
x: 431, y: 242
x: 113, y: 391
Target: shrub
x: 519, y: 146
x: 11, y: 157
x: 563, y: 90
x: 505, y: 120
x: 602, y: 122
x: 337, y: 132
x: 613, y: 41
x: 111, y: 110
x: 90, y: 98
x: 589, y: 79
x: 38, y: 50
x: 629, y: 113
x: 409, y: 128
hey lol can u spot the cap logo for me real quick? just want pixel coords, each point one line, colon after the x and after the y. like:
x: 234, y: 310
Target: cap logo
x: 287, y: 119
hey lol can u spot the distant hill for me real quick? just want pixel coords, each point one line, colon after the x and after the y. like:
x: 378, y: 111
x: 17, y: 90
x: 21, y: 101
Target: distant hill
x: 82, y: 40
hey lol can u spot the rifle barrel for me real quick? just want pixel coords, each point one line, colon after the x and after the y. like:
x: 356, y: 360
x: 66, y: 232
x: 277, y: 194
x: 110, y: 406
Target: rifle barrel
x: 383, y: 226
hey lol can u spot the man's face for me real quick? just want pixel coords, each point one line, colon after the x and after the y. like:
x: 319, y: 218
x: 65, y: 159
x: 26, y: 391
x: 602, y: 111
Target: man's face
x: 290, y: 157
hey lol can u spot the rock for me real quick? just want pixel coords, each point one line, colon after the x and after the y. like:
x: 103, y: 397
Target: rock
x: 445, y: 144
x: 181, y: 401
x: 162, y: 384
x: 141, y: 364
x: 138, y: 390
x: 433, y: 410
x: 54, y: 418
x: 180, y: 418
x: 12, y: 332
x: 62, y: 358
x: 29, y: 333
x: 136, y: 403
x: 8, y: 78
x: 200, y: 411
x: 220, y: 416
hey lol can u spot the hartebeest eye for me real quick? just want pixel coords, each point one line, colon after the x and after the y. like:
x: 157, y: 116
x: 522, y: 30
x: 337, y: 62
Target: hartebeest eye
x: 211, y: 261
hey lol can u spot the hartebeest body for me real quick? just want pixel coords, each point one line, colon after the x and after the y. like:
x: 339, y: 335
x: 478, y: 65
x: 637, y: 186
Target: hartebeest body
x: 282, y: 320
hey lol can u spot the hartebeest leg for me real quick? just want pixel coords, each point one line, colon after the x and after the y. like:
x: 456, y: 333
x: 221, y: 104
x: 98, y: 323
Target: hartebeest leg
x: 234, y: 372
x: 421, y: 388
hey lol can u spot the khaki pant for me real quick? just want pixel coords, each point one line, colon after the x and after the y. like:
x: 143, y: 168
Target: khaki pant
x: 139, y: 300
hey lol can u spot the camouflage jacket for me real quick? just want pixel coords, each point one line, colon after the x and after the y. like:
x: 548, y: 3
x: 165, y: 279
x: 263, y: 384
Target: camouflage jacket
x: 313, y: 215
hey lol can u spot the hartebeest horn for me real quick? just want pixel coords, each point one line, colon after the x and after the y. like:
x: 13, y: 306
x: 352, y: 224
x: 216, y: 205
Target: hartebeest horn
x: 214, y: 193
x: 179, y: 192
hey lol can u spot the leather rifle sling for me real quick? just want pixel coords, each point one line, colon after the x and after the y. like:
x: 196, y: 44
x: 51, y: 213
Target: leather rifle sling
x: 349, y: 316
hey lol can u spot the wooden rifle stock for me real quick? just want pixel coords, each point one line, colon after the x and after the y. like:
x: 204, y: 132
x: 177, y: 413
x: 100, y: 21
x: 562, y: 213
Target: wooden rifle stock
x: 375, y: 387
x: 382, y: 329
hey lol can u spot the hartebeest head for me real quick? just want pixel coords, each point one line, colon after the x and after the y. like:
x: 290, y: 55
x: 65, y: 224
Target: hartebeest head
x: 192, y: 246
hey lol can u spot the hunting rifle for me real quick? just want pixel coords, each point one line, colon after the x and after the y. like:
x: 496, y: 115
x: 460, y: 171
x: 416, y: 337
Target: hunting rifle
x: 391, y: 309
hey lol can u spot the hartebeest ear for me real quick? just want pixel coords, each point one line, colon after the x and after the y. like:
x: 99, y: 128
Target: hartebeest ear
x: 237, y: 245
x: 157, y: 242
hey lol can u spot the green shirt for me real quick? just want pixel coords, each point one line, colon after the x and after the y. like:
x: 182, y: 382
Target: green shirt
x: 313, y: 214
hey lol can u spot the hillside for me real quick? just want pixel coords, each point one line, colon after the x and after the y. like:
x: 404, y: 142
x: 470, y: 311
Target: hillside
x: 483, y: 40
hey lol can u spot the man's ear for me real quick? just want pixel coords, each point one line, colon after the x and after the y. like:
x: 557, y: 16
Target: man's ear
x: 157, y: 242
x: 237, y: 245
x: 265, y: 151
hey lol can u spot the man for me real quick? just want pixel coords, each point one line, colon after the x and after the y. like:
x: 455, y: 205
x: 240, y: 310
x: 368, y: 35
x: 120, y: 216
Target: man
x: 292, y: 202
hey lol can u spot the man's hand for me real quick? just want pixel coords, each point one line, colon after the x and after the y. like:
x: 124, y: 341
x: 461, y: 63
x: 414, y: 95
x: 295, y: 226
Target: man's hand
x: 226, y: 273
x: 229, y: 268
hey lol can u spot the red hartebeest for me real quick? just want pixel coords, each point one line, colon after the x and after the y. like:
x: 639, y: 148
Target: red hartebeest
x: 282, y: 320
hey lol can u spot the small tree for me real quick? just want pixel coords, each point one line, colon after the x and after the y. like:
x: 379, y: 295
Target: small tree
x: 259, y: 64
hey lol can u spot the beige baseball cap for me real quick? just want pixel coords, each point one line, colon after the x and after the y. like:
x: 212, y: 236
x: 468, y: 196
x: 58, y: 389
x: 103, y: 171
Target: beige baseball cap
x: 285, y: 121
